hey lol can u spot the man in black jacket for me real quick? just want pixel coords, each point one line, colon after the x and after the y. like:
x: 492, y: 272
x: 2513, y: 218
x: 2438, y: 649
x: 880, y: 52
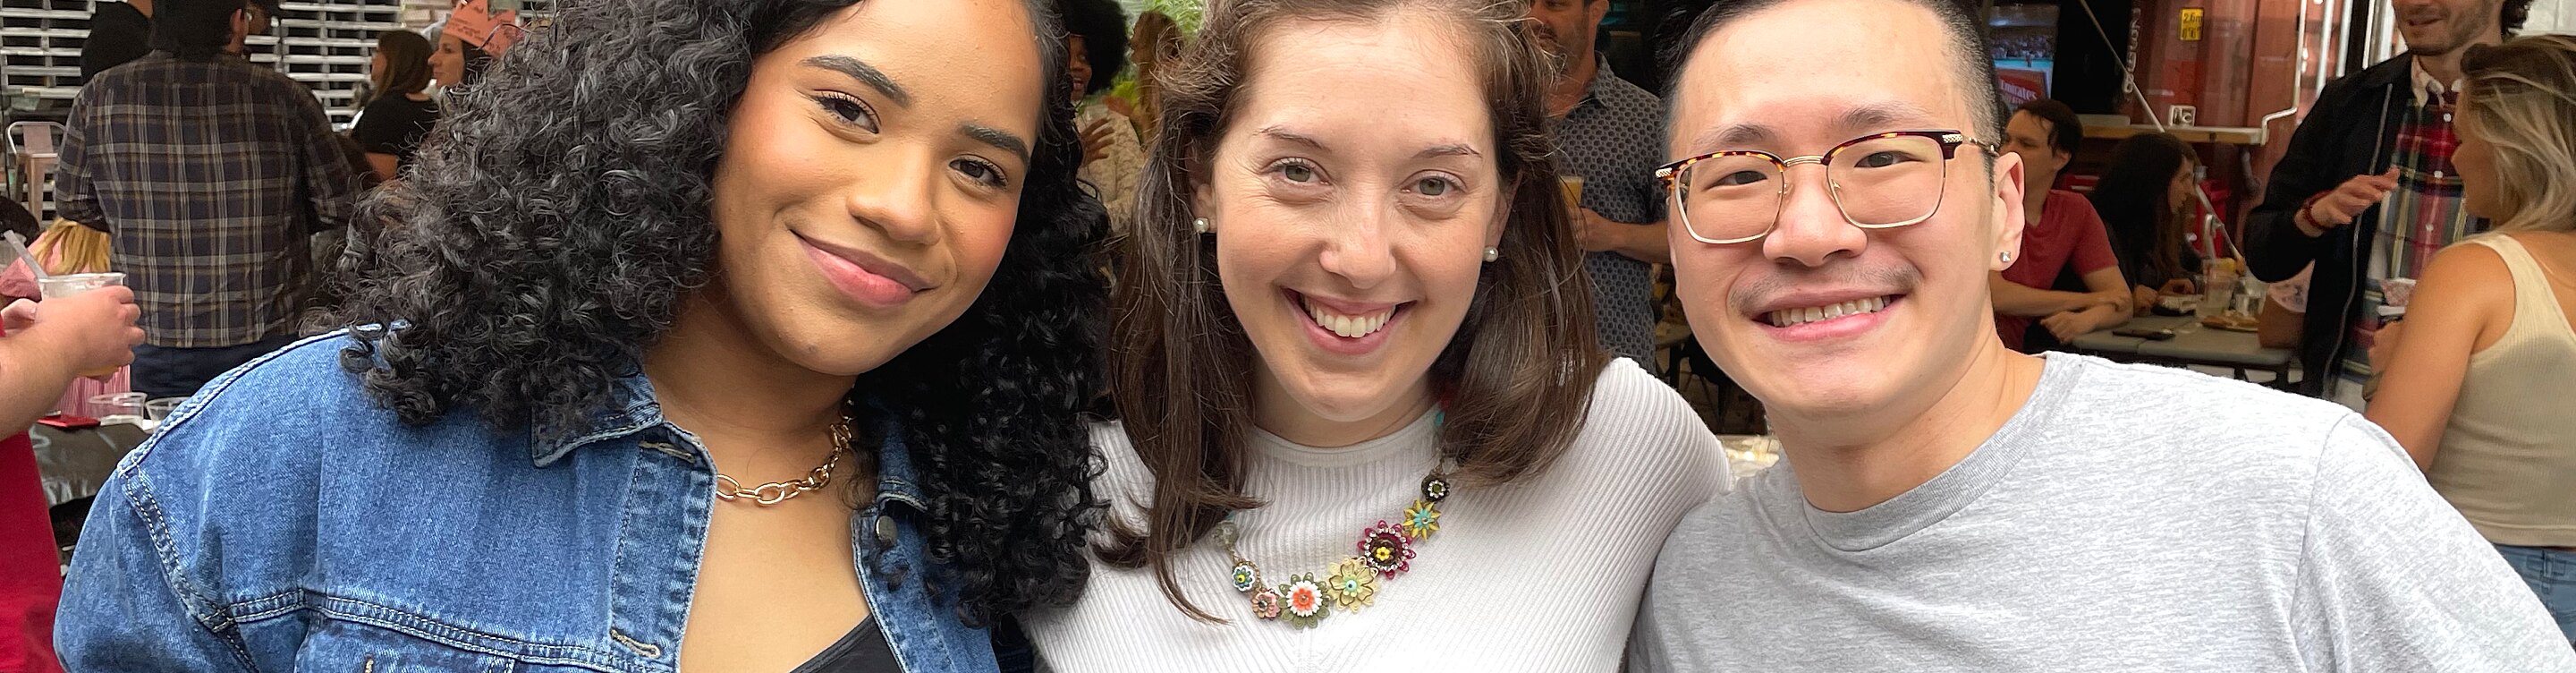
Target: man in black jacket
x: 2367, y: 191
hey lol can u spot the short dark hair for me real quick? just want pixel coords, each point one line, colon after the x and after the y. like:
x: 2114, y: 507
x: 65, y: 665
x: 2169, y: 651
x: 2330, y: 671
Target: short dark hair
x: 2065, y: 130
x: 1103, y: 29
x: 1969, y: 55
x: 2511, y: 15
x: 194, y: 30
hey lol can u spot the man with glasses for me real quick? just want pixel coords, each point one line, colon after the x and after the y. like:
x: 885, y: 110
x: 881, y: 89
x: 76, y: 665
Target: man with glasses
x: 1945, y: 504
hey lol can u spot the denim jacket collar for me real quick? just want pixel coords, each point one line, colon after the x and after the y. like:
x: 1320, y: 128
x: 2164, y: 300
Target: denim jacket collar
x: 631, y: 408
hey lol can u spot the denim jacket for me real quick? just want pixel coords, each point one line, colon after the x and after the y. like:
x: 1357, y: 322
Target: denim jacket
x: 281, y: 520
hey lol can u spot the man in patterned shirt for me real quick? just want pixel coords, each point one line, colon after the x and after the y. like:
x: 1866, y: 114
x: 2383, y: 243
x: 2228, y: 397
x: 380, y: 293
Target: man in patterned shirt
x: 2367, y: 191
x: 210, y: 173
x: 1610, y: 133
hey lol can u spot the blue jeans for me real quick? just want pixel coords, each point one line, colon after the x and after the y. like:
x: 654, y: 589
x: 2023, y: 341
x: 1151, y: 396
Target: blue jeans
x: 2552, y: 574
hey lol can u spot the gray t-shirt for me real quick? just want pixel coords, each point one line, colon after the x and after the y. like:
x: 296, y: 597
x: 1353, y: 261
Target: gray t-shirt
x: 2128, y: 518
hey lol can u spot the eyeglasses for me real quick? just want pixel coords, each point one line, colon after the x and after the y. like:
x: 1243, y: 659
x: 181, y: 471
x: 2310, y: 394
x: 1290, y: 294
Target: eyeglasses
x: 1878, y: 181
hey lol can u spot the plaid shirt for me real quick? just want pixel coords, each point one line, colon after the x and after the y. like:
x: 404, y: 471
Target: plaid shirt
x: 2426, y: 212
x: 210, y: 176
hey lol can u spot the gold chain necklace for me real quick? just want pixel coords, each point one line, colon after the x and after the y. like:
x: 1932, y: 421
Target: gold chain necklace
x: 779, y: 491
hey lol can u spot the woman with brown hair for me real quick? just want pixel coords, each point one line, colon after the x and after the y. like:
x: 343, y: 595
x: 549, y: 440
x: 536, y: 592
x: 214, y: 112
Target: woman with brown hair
x: 402, y: 112
x: 2146, y: 202
x: 1365, y: 422
x: 1154, y: 43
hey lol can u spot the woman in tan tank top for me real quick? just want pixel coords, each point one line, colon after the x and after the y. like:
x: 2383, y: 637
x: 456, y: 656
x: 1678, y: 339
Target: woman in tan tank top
x: 2481, y: 389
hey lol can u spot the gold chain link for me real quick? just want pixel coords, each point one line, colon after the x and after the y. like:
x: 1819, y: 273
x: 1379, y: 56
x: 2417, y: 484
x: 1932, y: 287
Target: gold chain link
x: 780, y: 491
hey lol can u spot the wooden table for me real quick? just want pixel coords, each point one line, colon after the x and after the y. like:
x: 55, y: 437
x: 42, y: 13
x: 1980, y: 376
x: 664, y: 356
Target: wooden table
x: 2192, y: 344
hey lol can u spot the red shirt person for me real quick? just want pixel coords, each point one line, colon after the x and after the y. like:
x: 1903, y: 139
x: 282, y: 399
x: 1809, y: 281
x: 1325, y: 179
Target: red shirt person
x: 2060, y: 233
x: 41, y: 349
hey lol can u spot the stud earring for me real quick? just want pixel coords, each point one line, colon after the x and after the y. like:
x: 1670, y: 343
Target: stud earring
x: 2005, y: 256
x: 1492, y: 254
x: 1201, y: 224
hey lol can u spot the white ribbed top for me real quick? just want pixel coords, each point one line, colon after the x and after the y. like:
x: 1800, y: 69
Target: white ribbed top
x: 1539, y: 575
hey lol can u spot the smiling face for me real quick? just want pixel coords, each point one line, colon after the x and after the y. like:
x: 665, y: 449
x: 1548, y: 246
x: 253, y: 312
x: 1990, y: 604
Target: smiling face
x: 871, y: 178
x: 1821, y: 318
x: 2437, y: 27
x: 1353, y: 194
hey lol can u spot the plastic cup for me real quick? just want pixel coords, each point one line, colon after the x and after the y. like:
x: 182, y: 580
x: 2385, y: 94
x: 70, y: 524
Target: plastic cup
x: 159, y: 409
x: 57, y: 287
x: 1573, y: 186
x: 69, y: 284
x: 116, y: 407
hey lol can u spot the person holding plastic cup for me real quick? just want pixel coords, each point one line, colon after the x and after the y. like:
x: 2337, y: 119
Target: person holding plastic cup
x: 42, y: 346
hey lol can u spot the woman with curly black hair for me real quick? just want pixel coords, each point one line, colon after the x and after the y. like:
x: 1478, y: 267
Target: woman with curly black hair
x: 742, y: 335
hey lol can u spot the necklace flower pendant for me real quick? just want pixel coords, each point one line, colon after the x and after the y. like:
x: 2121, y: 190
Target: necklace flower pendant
x: 1265, y: 604
x: 1386, y: 550
x: 1353, y: 585
x: 1245, y: 577
x: 1422, y: 519
x: 1304, y: 601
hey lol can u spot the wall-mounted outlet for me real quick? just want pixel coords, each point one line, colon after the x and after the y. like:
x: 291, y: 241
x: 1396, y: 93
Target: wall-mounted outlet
x: 2182, y: 115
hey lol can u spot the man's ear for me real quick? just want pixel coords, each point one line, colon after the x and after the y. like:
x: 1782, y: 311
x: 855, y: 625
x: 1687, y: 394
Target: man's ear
x: 2008, y: 216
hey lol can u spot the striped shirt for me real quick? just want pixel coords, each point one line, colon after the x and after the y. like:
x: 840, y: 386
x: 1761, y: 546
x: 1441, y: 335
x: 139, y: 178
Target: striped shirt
x: 210, y: 176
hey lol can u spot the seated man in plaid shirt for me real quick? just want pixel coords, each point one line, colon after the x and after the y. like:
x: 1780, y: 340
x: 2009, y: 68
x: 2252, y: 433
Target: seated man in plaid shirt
x: 211, y: 173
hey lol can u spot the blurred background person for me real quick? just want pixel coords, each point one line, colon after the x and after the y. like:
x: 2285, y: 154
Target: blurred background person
x: 2061, y: 236
x: 209, y: 173
x: 457, y: 62
x: 43, y: 347
x: 1609, y: 135
x: 119, y: 32
x: 1112, y: 160
x: 1156, y: 40
x: 2146, y: 202
x: 2475, y: 381
x: 393, y: 123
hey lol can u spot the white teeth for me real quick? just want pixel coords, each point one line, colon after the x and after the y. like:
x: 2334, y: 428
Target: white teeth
x: 1799, y: 316
x: 1349, y: 326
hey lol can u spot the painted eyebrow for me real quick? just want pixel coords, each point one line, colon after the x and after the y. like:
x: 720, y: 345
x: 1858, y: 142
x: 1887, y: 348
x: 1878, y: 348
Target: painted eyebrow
x: 865, y: 74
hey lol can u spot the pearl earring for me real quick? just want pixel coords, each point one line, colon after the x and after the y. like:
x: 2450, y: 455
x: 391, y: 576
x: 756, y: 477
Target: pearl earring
x: 1201, y: 224
x: 2005, y: 256
x: 1492, y: 254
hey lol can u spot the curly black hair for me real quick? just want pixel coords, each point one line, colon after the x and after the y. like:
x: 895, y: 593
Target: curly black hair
x: 1103, y: 27
x: 532, y: 258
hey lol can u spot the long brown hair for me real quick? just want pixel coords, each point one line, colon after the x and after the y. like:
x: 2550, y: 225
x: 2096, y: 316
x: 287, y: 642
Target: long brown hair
x: 406, y: 68
x: 1516, y: 380
x: 1160, y: 42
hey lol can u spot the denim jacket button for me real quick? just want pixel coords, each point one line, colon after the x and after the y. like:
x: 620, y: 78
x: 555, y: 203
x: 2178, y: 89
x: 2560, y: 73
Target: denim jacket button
x: 885, y: 531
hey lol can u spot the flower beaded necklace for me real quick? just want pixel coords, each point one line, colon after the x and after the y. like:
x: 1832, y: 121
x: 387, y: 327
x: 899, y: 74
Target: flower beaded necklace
x: 1383, y: 552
